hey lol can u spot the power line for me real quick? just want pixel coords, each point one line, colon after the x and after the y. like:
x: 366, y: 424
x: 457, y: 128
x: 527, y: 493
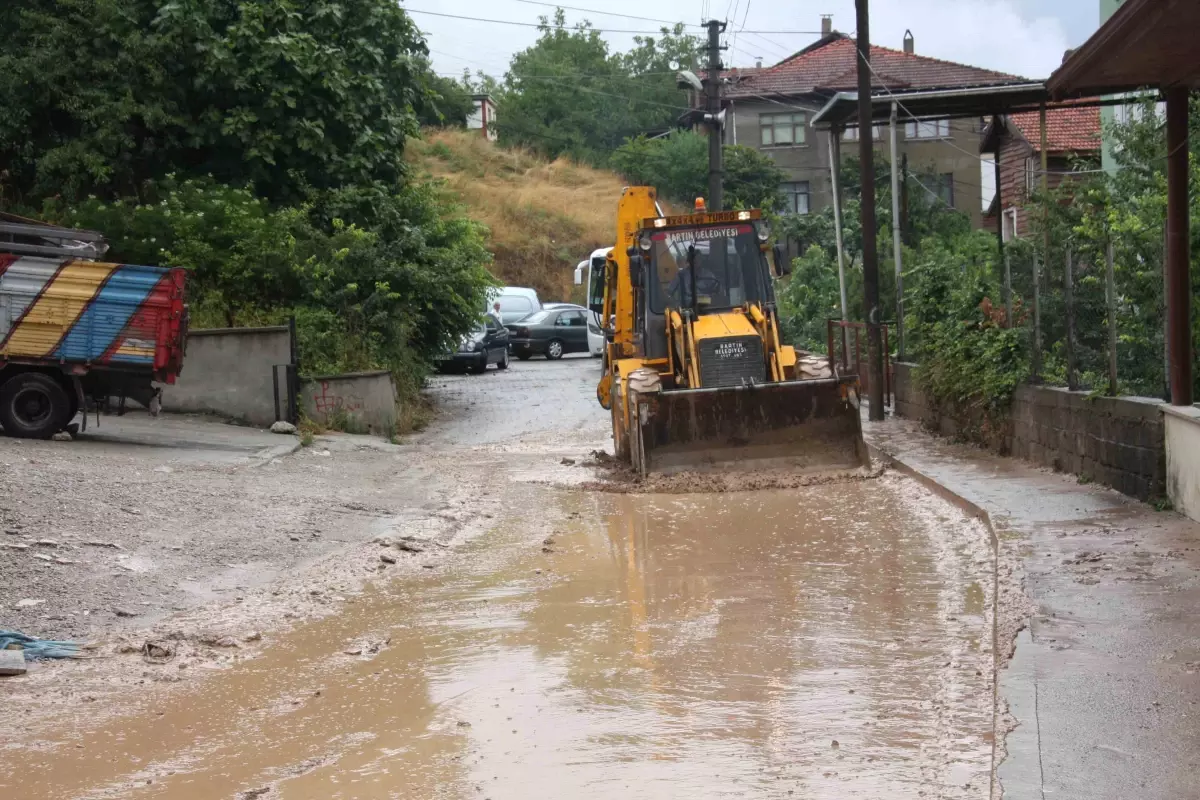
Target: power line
x: 542, y: 25
x: 607, y: 13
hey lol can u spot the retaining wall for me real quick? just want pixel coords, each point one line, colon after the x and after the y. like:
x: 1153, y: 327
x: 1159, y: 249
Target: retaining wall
x: 1182, y: 425
x: 1117, y: 441
x: 365, y: 402
x: 228, y: 371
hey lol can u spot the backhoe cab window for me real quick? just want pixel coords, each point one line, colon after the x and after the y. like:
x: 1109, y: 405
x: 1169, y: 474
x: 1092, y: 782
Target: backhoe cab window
x: 724, y: 260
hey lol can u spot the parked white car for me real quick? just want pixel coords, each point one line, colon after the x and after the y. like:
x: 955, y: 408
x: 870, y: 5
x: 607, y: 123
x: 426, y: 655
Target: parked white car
x: 515, y: 302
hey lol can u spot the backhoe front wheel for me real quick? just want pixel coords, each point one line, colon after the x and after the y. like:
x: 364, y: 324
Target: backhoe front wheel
x: 33, y: 406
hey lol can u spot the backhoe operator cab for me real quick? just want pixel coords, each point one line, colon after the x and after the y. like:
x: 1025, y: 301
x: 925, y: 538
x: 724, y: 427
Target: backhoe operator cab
x: 696, y: 374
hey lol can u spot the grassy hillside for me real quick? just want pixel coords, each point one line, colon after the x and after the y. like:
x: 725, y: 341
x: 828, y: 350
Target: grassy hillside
x: 545, y: 217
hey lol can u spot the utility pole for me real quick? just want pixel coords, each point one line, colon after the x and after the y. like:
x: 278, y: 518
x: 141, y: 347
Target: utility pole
x: 897, y: 255
x: 712, y: 93
x: 866, y: 157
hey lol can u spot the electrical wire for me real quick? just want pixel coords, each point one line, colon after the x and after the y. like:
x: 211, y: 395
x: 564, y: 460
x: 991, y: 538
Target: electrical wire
x: 597, y: 30
x: 607, y: 13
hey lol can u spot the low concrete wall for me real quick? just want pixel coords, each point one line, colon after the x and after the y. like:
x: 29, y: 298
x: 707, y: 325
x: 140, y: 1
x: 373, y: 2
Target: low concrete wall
x: 1116, y: 441
x: 1183, y: 458
x: 228, y: 371
x: 366, y: 401
x: 910, y: 402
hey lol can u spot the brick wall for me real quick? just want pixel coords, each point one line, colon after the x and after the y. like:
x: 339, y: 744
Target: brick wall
x: 1116, y: 441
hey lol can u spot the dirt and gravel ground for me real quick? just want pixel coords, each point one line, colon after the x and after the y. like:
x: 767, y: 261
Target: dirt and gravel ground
x: 191, y: 537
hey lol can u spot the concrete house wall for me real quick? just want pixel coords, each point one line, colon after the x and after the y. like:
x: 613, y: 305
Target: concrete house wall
x: 810, y: 161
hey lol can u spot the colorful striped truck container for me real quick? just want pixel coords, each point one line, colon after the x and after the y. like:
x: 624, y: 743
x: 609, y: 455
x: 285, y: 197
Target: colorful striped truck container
x: 72, y: 328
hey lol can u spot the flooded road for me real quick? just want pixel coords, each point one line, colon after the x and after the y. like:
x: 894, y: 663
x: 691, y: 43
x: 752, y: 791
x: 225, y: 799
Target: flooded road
x: 826, y: 642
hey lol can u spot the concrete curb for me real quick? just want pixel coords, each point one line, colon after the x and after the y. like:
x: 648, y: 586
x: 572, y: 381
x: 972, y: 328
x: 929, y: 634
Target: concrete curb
x: 267, y: 454
x: 891, y: 461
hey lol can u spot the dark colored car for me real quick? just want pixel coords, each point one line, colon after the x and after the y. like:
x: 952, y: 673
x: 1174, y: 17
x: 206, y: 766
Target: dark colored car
x: 487, y: 344
x: 551, y: 333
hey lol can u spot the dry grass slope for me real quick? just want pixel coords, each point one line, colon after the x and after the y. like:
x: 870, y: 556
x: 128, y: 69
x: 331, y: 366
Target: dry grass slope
x: 544, y: 216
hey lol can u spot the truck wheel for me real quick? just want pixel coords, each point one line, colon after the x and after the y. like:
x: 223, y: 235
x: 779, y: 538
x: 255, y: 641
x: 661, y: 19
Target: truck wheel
x: 33, y: 406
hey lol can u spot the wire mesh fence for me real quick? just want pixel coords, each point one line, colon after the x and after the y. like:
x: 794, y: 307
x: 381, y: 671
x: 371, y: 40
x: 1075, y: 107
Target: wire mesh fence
x: 1095, y: 311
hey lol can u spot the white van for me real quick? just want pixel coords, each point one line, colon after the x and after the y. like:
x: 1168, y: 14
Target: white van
x: 515, y: 302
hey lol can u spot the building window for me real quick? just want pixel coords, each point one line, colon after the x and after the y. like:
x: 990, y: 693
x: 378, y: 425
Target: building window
x: 782, y: 129
x: 851, y: 133
x: 795, y: 197
x: 927, y: 129
x: 1008, y: 228
x: 943, y: 187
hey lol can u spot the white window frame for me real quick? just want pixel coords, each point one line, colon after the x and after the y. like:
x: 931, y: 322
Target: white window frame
x: 770, y: 124
x: 850, y: 134
x: 926, y: 129
x: 792, y: 198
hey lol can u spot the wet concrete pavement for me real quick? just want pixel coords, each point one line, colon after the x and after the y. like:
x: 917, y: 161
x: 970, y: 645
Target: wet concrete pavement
x: 829, y: 641
x: 826, y: 641
x: 1105, y: 681
x: 764, y: 644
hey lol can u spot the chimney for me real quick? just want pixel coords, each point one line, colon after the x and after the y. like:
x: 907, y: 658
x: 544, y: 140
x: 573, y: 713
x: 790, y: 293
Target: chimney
x: 758, y: 63
x: 909, y: 45
x: 826, y: 24
x: 1067, y: 54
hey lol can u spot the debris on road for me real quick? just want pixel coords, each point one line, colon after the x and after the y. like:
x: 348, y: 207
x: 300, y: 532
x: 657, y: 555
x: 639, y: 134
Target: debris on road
x: 158, y: 652
x: 29, y: 602
x: 62, y: 436
x: 283, y: 427
x: 387, y: 558
x: 12, y: 662
x: 35, y: 648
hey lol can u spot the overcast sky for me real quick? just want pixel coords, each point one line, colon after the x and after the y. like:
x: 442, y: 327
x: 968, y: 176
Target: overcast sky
x: 1022, y: 37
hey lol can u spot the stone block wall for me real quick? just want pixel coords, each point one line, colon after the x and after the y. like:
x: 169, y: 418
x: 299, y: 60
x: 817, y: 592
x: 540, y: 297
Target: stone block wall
x: 1116, y: 441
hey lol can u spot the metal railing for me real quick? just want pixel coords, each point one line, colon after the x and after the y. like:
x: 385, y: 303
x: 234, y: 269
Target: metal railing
x: 848, y: 354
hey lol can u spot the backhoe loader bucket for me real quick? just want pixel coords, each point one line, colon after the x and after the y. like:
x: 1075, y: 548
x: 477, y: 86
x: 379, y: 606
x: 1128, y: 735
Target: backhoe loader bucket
x: 804, y: 426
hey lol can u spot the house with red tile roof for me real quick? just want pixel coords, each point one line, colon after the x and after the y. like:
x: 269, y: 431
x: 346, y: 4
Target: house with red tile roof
x: 1072, y: 140
x: 770, y: 109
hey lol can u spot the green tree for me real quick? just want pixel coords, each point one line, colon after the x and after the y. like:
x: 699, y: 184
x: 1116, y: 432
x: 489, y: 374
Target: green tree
x: 103, y: 95
x: 568, y: 94
x: 677, y: 165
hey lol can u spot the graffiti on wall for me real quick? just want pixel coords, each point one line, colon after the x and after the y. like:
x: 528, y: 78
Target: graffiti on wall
x: 327, y: 402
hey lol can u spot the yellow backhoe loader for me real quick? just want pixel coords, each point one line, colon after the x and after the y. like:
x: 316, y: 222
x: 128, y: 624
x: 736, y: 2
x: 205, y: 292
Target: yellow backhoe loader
x: 695, y: 375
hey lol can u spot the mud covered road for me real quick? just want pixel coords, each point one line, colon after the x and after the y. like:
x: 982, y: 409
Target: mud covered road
x: 533, y: 639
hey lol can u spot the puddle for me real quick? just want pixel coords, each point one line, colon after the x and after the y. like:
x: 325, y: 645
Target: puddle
x: 803, y: 643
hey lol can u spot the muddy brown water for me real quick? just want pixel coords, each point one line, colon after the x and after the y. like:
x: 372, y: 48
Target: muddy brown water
x: 830, y: 641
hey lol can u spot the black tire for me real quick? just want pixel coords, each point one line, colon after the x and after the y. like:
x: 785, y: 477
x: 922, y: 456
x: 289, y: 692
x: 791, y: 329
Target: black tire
x: 524, y: 356
x: 554, y: 349
x: 481, y: 367
x: 503, y: 362
x: 33, y: 406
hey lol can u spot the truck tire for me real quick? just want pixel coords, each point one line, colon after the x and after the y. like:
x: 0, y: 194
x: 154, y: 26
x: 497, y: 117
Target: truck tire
x: 33, y: 406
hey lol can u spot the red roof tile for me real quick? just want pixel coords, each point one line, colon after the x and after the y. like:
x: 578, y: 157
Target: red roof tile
x: 831, y: 64
x: 1068, y: 128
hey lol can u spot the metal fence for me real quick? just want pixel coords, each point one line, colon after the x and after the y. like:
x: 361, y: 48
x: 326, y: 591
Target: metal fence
x: 1095, y: 311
